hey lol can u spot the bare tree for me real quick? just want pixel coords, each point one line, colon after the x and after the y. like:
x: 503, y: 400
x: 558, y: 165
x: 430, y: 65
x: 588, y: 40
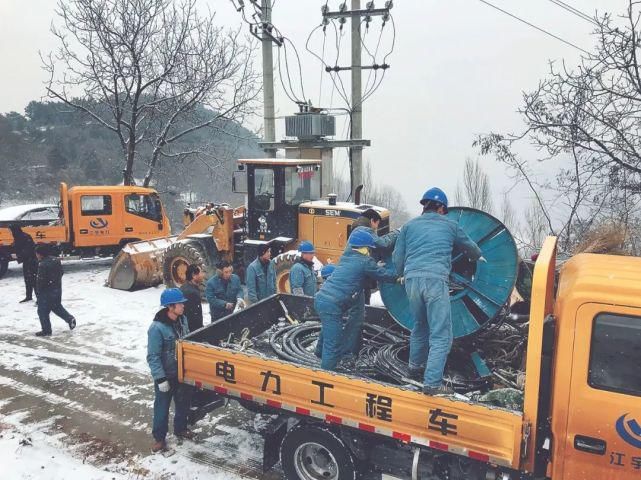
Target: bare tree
x: 585, y: 119
x: 475, y: 189
x: 144, y: 70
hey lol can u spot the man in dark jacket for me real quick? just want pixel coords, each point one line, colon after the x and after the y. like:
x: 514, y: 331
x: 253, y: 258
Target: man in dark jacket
x: 191, y: 290
x: 49, y: 291
x: 168, y: 326
x: 25, y: 250
x: 224, y: 292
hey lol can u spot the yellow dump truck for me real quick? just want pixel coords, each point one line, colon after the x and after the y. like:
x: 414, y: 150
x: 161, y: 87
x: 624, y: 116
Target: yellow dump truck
x: 582, y: 391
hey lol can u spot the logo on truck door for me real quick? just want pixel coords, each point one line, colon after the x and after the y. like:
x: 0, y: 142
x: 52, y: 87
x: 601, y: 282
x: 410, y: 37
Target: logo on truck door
x: 99, y: 223
x: 629, y: 430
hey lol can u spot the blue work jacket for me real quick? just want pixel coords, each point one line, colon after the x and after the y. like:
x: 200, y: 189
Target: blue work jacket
x: 261, y: 281
x: 425, y: 243
x: 348, y: 280
x: 220, y: 292
x: 302, y: 279
x: 161, y: 345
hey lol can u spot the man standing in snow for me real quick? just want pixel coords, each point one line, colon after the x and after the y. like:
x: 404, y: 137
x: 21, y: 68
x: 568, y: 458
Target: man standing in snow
x: 168, y: 326
x: 302, y: 278
x: 224, y: 292
x: 26, y: 254
x: 49, y: 291
x: 261, y: 276
x: 191, y: 290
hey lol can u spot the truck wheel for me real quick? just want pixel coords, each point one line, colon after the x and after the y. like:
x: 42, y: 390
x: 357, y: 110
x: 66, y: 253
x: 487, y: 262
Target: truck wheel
x: 314, y: 453
x: 4, y: 266
x: 181, y: 254
x: 283, y: 263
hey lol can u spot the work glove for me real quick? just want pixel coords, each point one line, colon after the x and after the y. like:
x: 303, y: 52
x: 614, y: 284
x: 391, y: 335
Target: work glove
x: 381, y: 263
x: 229, y: 306
x: 164, y: 386
x: 400, y: 280
x: 240, y: 303
x: 298, y: 291
x: 482, y: 259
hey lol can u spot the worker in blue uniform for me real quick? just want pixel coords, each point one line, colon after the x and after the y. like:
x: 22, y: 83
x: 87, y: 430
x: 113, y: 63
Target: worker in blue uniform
x: 325, y: 273
x: 336, y: 295
x: 302, y: 278
x: 423, y: 257
x: 369, y: 222
x: 224, y: 292
x: 261, y: 276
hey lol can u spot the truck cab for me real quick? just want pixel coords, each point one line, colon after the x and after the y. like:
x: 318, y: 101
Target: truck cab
x: 95, y: 220
x: 595, y: 402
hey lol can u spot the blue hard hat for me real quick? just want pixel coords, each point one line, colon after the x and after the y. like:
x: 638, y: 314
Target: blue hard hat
x: 436, y: 195
x: 171, y: 296
x: 361, y: 238
x: 327, y: 270
x: 306, y: 247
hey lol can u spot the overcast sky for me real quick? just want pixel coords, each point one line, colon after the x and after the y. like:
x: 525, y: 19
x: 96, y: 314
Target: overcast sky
x: 457, y: 69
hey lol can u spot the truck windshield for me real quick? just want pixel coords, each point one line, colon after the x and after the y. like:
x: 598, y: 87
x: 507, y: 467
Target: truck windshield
x: 302, y: 184
x: 147, y: 206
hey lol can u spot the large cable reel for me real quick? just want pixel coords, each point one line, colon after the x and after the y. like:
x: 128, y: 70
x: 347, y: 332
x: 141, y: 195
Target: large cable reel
x: 478, y: 291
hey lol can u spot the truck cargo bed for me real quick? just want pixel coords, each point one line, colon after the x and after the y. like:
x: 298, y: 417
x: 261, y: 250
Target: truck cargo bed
x: 223, y: 357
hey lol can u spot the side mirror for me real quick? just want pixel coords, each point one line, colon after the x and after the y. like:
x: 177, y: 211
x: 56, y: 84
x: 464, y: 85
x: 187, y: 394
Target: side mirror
x: 239, y: 182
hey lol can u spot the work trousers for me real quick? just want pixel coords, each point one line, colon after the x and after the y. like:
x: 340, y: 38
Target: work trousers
x: 181, y: 395
x: 354, y: 327
x: 431, y: 337
x: 338, y: 337
x: 50, y: 301
x: 29, y: 272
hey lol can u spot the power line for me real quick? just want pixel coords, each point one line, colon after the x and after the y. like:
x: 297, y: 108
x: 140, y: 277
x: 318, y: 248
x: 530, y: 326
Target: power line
x: 534, y: 26
x: 574, y: 11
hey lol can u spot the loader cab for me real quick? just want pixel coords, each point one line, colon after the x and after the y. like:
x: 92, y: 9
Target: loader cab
x: 275, y: 188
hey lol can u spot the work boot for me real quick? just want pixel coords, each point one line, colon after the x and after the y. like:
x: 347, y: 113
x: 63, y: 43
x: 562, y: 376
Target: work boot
x: 187, y: 434
x: 72, y: 323
x: 43, y: 334
x: 25, y: 300
x: 416, y: 373
x: 438, y: 391
x: 158, y: 447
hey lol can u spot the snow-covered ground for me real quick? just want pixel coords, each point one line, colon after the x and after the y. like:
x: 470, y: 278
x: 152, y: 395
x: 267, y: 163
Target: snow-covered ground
x: 78, y: 404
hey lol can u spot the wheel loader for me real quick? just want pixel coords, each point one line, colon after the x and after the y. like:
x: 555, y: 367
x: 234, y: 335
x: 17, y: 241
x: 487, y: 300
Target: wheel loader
x: 284, y: 205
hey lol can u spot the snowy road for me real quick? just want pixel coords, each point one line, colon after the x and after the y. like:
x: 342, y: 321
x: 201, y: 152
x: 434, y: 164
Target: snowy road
x: 78, y: 404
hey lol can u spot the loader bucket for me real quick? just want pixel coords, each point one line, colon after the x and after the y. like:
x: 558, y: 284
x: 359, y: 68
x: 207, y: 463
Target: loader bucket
x: 139, y: 264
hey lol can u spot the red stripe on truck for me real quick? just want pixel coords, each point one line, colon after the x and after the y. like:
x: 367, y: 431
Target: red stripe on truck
x: 333, y: 419
x: 274, y: 403
x: 198, y: 384
x: 439, y: 446
x: 366, y: 427
x: 481, y: 457
x: 403, y: 437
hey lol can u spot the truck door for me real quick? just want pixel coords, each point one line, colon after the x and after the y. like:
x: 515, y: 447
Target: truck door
x: 143, y: 216
x: 94, y: 223
x: 603, y: 438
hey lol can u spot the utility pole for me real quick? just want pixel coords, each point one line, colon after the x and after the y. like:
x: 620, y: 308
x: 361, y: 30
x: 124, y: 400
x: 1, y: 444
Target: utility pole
x: 269, y: 121
x: 356, y: 130
x: 356, y: 113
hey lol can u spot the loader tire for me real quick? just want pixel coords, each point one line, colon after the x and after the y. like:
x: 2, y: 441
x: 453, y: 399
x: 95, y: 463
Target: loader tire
x: 283, y: 263
x: 4, y: 265
x: 181, y: 254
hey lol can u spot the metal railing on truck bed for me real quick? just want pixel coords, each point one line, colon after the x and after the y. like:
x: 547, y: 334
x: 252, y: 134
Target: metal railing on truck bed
x: 477, y: 431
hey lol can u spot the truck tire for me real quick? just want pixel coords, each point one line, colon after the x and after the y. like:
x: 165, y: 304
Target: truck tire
x: 311, y: 452
x: 283, y: 263
x: 181, y: 254
x: 4, y: 266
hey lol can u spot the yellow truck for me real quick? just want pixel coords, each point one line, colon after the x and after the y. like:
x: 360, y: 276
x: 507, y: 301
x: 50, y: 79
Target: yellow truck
x: 93, y: 220
x: 582, y: 391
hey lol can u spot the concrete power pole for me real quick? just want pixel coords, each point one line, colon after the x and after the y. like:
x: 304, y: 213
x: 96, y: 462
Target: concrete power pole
x: 269, y: 121
x: 356, y: 130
